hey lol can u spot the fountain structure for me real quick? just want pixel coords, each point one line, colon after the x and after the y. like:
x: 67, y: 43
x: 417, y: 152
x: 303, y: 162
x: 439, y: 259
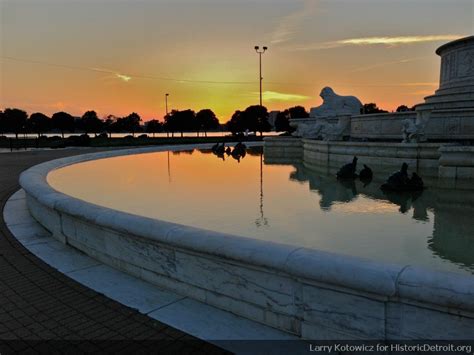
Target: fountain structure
x: 436, y: 137
x: 309, y: 293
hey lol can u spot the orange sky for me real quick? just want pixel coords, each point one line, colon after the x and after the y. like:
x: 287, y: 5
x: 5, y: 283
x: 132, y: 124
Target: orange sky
x: 121, y: 56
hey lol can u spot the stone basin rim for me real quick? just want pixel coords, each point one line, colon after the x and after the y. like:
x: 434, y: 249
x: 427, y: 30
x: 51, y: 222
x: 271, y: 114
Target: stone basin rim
x: 361, y: 275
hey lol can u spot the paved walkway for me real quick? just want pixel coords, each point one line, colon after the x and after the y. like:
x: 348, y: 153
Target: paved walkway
x: 39, y: 303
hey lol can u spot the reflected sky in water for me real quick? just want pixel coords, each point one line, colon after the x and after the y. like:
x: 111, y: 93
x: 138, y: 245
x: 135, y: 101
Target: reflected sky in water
x: 282, y: 203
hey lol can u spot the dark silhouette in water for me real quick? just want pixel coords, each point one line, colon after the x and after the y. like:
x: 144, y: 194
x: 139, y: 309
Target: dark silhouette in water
x: 236, y: 157
x: 349, y: 184
x: 400, y: 181
x: 228, y: 151
x: 404, y: 199
x: 218, y: 149
x: 348, y: 171
x: 397, y: 179
x: 239, y: 151
x: 240, y: 148
x: 416, y: 182
x: 366, y: 174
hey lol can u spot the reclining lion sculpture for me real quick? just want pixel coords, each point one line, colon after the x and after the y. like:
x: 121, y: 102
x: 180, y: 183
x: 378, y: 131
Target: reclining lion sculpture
x: 336, y: 105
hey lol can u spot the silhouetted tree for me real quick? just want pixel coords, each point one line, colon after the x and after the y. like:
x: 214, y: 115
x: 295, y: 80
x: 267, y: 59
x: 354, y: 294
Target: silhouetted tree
x: 2, y: 124
x: 256, y: 118
x: 372, y: 108
x: 404, y: 108
x: 236, y: 123
x: 14, y: 120
x: 90, y: 123
x: 167, y: 125
x: 206, y: 120
x: 282, y: 121
x: 180, y: 121
x: 298, y: 112
x: 130, y: 123
x: 109, y: 124
x: 154, y: 126
x: 63, y: 121
x: 38, y: 123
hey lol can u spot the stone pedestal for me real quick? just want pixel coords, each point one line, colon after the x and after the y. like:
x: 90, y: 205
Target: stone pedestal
x: 456, y: 163
x: 449, y: 113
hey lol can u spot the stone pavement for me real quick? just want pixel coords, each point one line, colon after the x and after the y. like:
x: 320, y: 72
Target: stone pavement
x: 43, y: 310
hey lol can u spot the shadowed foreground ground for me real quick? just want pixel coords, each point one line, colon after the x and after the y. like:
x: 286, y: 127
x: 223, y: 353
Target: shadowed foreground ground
x: 38, y: 303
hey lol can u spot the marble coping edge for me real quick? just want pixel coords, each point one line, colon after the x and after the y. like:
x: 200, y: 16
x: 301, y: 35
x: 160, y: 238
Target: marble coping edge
x: 387, y: 280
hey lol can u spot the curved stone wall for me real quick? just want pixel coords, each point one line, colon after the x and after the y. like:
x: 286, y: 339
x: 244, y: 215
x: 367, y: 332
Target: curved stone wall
x: 310, y: 293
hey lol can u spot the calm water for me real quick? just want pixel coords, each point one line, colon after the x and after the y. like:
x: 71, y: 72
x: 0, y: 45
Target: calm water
x: 282, y: 203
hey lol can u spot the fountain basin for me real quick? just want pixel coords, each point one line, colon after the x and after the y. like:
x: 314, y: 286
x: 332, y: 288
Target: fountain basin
x: 307, y: 292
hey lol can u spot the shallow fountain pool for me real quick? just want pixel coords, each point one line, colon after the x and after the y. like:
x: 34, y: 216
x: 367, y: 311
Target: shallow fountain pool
x: 282, y: 203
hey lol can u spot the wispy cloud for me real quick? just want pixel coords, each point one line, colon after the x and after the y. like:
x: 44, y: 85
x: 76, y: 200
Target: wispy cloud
x: 385, y: 64
x: 125, y: 78
x: 420, y: 84
x: 288, y: 26
x: 371, y: 41
x: 273, y: 96
x: 421, y: 93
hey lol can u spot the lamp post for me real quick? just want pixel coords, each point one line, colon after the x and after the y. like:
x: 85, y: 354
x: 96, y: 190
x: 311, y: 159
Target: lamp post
x: 166, y: 105
x: 260, y: 52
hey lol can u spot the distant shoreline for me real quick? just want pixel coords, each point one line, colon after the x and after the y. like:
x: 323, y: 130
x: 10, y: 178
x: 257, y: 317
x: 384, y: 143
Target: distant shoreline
x: 55, y: 141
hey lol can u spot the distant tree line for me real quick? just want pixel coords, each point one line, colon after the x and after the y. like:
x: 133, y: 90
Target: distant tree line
x: 252, y: 119
x: 16, y: 121
x: 189, y: 121
x: 371, y: 108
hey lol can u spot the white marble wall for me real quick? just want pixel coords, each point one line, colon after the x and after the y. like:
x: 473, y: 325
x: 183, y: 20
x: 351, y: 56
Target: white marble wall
x: 283, y: 150
x: 381, y: 156
x: 380, y: 126
x: 309, y: 293
x: 457, y: 164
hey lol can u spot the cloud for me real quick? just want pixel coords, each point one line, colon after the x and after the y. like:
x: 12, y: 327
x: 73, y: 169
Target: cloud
x: 288, y: 26
x: 420, y: 84
x: 371, y: 41
x: 273, y: 96
x: 125, y: 78
x: 384, y: 64
x: 421, y: 93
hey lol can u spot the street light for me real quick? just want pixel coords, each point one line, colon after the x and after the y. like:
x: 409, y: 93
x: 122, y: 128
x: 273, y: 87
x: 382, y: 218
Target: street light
x: 166, y: 103
x: 260, y: 52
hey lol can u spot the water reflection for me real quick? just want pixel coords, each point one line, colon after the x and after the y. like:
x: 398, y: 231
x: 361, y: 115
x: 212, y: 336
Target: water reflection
x: 288, y: 203
x: 261, y: 220
x: 453, y: 210
x: 238, y: 152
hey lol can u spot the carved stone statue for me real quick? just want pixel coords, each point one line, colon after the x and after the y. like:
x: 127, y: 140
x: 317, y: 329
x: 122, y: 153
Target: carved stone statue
x: 310, y: 130
x: 336, y: 105
x: 337, y: 131
x: 413, y: 132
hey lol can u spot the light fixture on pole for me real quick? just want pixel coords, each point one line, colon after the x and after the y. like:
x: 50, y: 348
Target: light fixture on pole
x: 166, y: 103
x: 260, y: 52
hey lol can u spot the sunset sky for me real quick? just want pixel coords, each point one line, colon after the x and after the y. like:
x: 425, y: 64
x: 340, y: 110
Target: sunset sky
x: 119, y: 56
